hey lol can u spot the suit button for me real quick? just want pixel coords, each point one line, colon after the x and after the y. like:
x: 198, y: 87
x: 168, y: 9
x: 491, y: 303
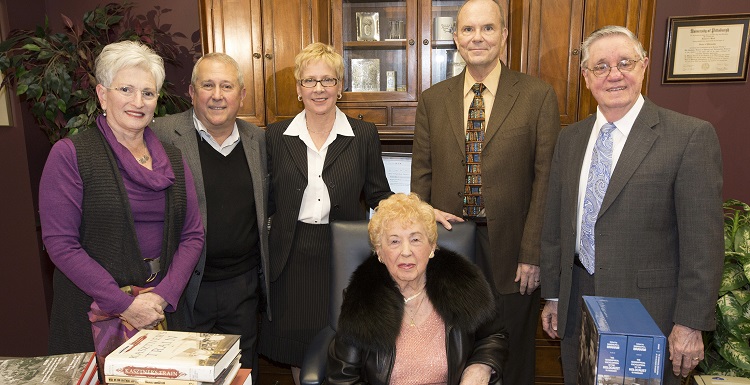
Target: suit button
x: 459, y: 193
x: 197, y: 272
x: 336, y: 207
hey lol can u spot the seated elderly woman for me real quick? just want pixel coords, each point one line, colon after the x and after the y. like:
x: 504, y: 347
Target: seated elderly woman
x: 413, y: 313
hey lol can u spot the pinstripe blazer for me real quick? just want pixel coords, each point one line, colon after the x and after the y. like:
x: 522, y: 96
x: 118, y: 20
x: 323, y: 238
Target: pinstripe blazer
x: 519, y: 141
x: 353, y: 168
x: 659, y: 234
x: 179, y: 130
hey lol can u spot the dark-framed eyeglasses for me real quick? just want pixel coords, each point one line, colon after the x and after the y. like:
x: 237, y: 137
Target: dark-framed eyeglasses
x: 130, y: 91
x: 325, y: 82
x: 603, y: 69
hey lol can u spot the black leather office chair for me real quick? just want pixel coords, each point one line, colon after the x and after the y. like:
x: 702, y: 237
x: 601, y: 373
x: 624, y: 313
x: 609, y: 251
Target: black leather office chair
x: 350, y: 247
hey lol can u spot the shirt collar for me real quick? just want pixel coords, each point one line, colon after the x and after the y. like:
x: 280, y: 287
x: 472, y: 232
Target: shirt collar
x: 491, y: 81
x: 233, y: 138
x: 341, y: 125
x: 626, y: 122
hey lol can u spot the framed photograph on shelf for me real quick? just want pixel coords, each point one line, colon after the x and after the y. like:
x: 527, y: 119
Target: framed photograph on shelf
x: 711, y: 48
x: 365, y: 75
x: 368, y: 26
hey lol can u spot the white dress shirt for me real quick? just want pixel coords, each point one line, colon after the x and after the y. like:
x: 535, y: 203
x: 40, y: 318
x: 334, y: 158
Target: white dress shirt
x: 316, y: 202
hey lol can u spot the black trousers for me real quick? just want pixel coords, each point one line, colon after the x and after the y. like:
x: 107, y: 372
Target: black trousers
x: 520, y: 314
x: 230, y: 306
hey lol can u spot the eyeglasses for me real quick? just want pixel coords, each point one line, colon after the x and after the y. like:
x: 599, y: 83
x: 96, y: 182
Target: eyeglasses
x: 224, y: 87
x: 130, y: 91
x: 603, y: 69
x: 311, y: 83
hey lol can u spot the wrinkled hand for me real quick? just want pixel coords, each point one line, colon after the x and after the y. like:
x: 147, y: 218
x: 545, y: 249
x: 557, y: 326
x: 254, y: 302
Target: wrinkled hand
x: 549, y: 319
x: 685, y: 349
x: 478, y: 374
x: 528, y: 275
x: 445, y: 219
x: 145, y: 312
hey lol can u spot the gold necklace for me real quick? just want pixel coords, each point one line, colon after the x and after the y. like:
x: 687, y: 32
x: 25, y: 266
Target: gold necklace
x: 412, y: 315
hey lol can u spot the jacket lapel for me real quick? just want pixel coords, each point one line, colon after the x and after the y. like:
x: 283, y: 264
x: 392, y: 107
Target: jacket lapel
x: 297, y: 151
x: 639, y: 143
x: 454, y: 105
x: 504, y: 101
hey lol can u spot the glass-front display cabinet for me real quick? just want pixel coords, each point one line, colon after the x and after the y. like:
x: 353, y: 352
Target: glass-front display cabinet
x: 393, y: 50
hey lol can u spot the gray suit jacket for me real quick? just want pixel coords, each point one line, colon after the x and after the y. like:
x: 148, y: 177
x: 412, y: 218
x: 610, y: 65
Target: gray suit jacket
x: 180, y: 131
x: 659, y: 234
x: 519, y: 142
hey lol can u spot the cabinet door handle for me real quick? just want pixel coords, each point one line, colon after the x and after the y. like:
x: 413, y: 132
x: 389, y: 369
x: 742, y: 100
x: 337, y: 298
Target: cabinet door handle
x: 411, y: 41
x: 269, y: 56
x: 360, y: 117
x: 576, y: 52
x: 425, y: 42
x: 256, y: 55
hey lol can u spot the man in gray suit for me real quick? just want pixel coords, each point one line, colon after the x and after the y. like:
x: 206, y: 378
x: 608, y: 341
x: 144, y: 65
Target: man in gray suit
x: 228, y: 159
x: 520, y: 129
x: 657, y: 233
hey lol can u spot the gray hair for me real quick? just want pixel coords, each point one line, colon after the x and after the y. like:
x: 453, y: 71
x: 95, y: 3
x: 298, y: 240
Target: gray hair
x: 500, y: 8
x: 610, y: 30
x: 222, y: 58
x: 128, y: 54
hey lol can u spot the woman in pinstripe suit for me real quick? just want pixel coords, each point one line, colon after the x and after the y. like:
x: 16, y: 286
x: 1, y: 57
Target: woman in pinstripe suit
x: 321, y: 163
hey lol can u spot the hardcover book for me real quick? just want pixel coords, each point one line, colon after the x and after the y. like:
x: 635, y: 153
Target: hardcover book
x: 224, y: 378
x: 620, y: 343
x: 173, y: 355
x: 62, y: 369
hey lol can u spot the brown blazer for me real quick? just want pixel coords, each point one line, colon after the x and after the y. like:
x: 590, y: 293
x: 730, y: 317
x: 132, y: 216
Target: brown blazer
x: 519, y: 141
x: 659, y: 234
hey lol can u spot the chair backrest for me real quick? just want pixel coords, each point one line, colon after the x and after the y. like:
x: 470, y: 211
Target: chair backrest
x: 351, y: 246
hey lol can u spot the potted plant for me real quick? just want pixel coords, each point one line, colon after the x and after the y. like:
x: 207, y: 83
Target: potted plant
x: 727, y: 348
x: 54, y: 72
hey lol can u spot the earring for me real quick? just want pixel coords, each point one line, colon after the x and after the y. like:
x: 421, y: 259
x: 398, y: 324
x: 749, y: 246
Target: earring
x: 432, y: 254
x: 299, y: 98
x: 153, y: 119
x: 105, y: 113
x: 380, y: 260
x: 338, y: 97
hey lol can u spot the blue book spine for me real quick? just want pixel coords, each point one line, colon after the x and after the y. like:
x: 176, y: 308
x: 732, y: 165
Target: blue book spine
x: 657, y: 362
x: 638, y: 360
x: 611, y: 359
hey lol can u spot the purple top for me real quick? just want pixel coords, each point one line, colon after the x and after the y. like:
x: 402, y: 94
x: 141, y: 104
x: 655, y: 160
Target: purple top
x: 60, y: 209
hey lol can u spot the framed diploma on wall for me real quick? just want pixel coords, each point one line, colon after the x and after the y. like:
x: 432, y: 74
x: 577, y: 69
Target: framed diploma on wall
x: 711, y: 48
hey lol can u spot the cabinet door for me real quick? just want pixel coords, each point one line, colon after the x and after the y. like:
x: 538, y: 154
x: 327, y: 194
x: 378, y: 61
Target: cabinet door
x: 234, y: 27
x: 439, y: 54
x: 288, y: 27
x: 378, y: 40
x: 545, y: 39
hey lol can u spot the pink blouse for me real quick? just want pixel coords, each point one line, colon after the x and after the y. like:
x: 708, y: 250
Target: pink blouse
x: 421, y: 353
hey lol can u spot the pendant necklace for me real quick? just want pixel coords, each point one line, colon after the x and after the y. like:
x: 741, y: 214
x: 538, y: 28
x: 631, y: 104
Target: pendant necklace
x: 143, y: 159
x: 412, y: 315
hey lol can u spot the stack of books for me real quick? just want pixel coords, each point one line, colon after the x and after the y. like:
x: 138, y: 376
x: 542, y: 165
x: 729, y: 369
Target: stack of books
x: 62, y: 369
x: 620, y: 343
x: 157, y: 357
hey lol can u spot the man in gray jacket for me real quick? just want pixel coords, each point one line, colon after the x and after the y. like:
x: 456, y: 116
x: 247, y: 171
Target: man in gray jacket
x: 227, y: 157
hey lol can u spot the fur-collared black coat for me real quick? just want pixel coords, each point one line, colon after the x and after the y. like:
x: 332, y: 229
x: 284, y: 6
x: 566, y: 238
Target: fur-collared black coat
x: 372, y: 311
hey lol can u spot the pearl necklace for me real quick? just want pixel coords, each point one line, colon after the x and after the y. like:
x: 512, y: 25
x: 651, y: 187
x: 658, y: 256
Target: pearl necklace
x: 406, y: 300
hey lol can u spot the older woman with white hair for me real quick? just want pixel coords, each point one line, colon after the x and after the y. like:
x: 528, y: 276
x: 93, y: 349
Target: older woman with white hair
x: 118, y: 208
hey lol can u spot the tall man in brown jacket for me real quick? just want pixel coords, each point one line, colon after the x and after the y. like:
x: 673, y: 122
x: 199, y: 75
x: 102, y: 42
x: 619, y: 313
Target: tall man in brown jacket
x: 520, y: 130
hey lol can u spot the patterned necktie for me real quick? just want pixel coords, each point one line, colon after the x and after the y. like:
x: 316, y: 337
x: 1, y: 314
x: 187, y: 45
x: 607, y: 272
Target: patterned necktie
x: 473, y: 204
x: 596, y: 187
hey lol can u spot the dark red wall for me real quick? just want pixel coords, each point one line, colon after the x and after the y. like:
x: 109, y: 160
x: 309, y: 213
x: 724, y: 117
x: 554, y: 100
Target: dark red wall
x: 725, y: 105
